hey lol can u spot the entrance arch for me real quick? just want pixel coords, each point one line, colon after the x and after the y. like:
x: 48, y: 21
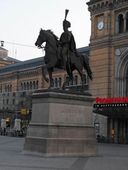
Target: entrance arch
x: 122, y: 75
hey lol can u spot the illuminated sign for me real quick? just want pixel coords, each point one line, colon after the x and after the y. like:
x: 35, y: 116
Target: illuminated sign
x: 117, y: 106
x: 100, y: 100
x: 24, y: 111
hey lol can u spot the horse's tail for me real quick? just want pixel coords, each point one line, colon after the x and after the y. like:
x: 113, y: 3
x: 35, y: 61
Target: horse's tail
x: 87, y: 66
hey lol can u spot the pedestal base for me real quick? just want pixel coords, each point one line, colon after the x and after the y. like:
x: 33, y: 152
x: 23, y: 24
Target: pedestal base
x: 61, y: 125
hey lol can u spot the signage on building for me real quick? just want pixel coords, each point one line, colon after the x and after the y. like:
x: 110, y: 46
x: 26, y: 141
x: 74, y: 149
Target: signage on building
x: 111, y: 105
x: 24, y: 111
x: 100, y: 100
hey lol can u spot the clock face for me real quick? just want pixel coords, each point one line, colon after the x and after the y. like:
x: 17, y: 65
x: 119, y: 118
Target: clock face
x: 100, y: 25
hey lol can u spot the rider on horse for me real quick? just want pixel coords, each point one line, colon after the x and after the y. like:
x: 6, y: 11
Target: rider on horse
x: 69, y: 59
x: 67, y: 43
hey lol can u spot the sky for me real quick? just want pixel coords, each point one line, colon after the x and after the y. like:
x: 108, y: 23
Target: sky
x: 21, y: 21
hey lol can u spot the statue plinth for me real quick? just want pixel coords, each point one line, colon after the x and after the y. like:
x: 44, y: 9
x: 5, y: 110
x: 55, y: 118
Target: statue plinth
x: 61, y: 125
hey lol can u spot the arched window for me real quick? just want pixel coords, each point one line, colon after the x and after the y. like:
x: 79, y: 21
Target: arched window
x: 24, y: 86
x: 30, y: 85
x: 56, y: 82
x: 27, y: 85
x: 127, y: 82
x: 0, y: 88
x: 85, y: 78
x: 127, y: 21
x: 5, y: 88
x: 76, y: 80
x: 10, y: 88
x: 67, y: 80
x: 21, y: 86
x: 37, y: 84
x: 53, y: 81
x: 120, y: 23
x: 71, y: 82
x: 60, y: 81
x: 34, y: 85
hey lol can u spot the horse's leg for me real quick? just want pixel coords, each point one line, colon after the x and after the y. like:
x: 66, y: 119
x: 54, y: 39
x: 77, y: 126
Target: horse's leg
x: 44, y: 75
x: 64, y: 84
x: 85, y: 62
x: 69, y: 70
x: 70, y: 74
x: 50, y: 70
x: 80, y: 71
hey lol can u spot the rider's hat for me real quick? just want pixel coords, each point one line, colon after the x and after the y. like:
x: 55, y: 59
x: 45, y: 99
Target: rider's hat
x: 65, y: 22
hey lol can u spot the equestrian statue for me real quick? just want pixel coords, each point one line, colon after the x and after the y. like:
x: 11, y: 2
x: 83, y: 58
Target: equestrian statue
x: 62, y: 54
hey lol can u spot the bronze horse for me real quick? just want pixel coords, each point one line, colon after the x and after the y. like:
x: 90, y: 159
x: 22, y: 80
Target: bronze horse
x: 53, y: 58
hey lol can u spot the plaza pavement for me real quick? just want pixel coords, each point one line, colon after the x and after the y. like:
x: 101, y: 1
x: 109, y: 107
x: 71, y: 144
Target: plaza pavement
x: 110, y: 157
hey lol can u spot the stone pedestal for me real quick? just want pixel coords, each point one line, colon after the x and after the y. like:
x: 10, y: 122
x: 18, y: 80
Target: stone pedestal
x: 61, y: 125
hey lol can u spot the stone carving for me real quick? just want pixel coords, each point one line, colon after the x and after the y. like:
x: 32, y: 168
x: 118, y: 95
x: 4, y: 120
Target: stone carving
x: 96, y: 6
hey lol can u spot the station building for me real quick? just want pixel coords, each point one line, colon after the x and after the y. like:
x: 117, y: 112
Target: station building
x: 108, y: 56
x: 19, y: 79
x: 109, y: 63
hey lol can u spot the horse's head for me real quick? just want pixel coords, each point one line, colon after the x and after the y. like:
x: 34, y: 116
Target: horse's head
x: 40, y: 39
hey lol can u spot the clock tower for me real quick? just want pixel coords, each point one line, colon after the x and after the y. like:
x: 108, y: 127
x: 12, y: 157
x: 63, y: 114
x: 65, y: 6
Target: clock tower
x: 109, y: 47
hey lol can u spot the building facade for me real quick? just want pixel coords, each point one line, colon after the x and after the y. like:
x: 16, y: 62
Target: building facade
x: 109, y: 60
x: 19, y: 80
x: 5, y: 59
x: 108, y: 55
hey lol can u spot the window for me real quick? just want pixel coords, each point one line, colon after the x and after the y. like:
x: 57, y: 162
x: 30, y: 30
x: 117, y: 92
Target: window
x: 7, y: 101
x: 84, y: 79
x: 5, y: 88
x: 13, y: 101
x: 30, y: 85
x: 76, y: 80
x: 21, y: 86
x: 23, y: 94
x: 127, y: 82
x: 27, y: 85
x: 14, y: 94
x: 34, y: 85
x: 121, y: 23
x: 60, y: 82
x: 0, y: 88
x: 127, y: 21
x: 67, y: 80
x: 37, y: 84
x: 10, y: 89
x: 24, y: 86
x: 56, y: 82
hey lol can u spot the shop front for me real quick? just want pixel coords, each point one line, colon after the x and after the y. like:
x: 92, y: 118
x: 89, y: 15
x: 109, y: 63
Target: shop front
x: 116, y: 110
